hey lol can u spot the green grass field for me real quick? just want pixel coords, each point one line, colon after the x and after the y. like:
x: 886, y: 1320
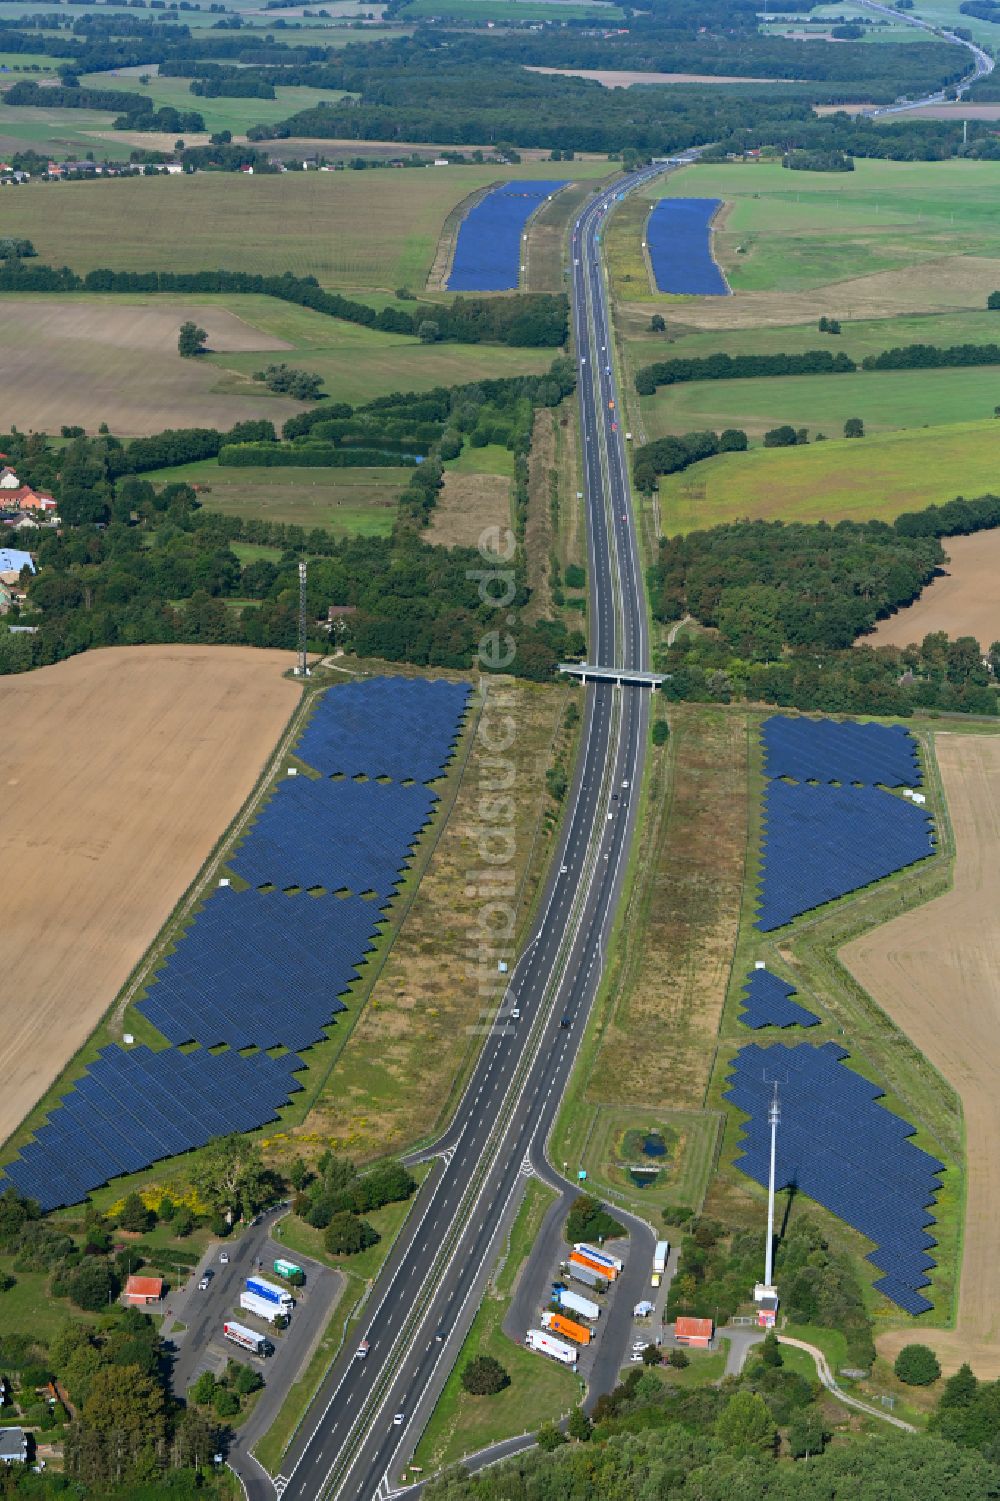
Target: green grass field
x: 847, y: 478
x: 357, y: 501
x: 858, y: 337
x: 357, y: 364
x: 376, y: 229
x: 219, y: 114
x: 791, y: 231
x: 883, y: 399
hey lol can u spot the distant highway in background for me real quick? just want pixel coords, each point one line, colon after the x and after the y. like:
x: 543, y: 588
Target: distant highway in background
x: 983, y: 62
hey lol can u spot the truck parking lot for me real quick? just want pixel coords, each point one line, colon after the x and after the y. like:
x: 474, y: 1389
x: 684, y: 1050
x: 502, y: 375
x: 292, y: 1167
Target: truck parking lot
x: 202, y: 1310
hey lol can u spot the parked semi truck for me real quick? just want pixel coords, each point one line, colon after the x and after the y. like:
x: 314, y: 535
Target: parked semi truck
x: 262, y: 1307
x: 290, y: 1272
x: 660, y: 1256
x: 574, y: 1303
x: 546, y: 1344
x: 586, y: 1276
x: 558, y: 1323
x: 603, y: 1258
x: 272, y: 1292
x: 247, y: 1339
x: 578, y: 1258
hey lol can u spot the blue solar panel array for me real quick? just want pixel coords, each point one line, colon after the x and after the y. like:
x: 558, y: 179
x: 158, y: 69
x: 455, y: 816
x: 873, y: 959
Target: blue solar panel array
x: 767, y: 1003
x: 132, y: 1108
x: 394, y: 727
x: 488, y: 251
x: 839, y: 1146
x: 680, y: 247
x: 263, y: 966
x: 296, y: 956
x: 822, y: 841
x: 826, y: 750
x: 340, y: 835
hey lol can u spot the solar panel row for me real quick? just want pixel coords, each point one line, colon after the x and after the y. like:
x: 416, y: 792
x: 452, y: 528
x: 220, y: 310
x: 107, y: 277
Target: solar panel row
x: 678, y: 235
x: 768, y: 1003
x: 132, y: 1108
x: 334, y: 834
x: 827, y: 750
x: 821, y: 842
x: 394, y: 727
x: 488, y: 251
x: 839, y: 1146
x: 257, y: 969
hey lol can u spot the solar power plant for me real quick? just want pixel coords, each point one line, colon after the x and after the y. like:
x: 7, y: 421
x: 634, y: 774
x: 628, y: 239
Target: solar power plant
x: 132, y: 1108
x: 821, y: 842
x: 488, y: 251
x: 338, y: 835
x: 256, y: 969
x: 839, y: 1146
x: 680, y: 247
x: 394, y: 727
x: 825, y: 750
x: 767, y: 1003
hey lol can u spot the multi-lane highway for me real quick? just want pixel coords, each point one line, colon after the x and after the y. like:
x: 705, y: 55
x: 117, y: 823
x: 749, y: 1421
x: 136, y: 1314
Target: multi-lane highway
x: 364, y: 1424
x: 982, y: 62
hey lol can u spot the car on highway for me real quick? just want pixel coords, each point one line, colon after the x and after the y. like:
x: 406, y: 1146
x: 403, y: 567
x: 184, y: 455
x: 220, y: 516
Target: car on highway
x: 566, y: 1021
x: 361, y: 1353
x: 205, y: 1280
x: 398, y: 1419
x: 515, y: 1013
x: 224, y: 1258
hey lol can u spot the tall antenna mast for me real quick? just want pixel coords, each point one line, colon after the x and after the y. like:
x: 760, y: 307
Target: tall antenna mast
x: 774, y: 1118
x: 302, y: 666
x: 765, y: 1294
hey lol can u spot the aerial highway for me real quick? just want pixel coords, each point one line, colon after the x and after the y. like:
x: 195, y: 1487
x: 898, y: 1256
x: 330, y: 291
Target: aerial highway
x: 360, y: 1432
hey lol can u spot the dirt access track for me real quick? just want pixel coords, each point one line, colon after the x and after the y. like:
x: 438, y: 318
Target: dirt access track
x: 936, y: 972
x: 121, y: 769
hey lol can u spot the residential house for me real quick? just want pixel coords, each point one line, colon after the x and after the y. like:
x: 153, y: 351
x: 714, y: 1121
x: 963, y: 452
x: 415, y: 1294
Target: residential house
x: 24, y: 498
x: 8, y: 479
x: 13, y: 1446
x: 140, y: 1291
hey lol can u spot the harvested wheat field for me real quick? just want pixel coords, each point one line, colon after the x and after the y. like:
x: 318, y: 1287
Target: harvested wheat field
x: 121, y: 768
x: 963, y: 601
x: 467, y: 505
x: 936, y: 972
x: 80, y: 361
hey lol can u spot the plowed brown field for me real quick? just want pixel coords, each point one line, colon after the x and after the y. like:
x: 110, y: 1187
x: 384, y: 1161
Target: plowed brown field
x: 119, y: 771
x: 936, y: 972
x: 963, y: 601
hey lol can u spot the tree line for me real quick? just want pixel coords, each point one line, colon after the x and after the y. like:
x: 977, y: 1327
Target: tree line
x: 534, y: 320
x: 740, y: 367
x: 671, y: 454
x: 930, y: 357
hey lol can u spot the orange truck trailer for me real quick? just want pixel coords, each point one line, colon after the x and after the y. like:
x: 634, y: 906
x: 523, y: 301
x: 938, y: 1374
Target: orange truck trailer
x: 579, y: 1258
x: 558, y: 1323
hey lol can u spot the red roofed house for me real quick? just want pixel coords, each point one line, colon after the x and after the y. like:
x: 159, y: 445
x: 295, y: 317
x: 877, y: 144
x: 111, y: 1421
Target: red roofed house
x: 24, y: 498
x: 142, y: 1290
x: 695, y: 1332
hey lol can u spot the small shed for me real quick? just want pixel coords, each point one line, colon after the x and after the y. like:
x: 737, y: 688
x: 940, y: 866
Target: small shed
x: 143, y: 1290
x: 695, y: 1332
x: 13, y: 1446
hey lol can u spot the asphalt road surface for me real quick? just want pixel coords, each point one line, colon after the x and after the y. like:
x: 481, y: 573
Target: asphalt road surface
x: 349, y: 1445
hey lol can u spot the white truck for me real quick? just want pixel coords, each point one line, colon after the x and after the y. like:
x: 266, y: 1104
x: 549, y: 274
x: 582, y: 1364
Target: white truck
x: 262, y: 1307
x: 660, y: 1256
x: 547, y: 1344
x: 575, y: 1303
x: 247, y: 1339
x: 280, y: 1296
x: 603, y: 1258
